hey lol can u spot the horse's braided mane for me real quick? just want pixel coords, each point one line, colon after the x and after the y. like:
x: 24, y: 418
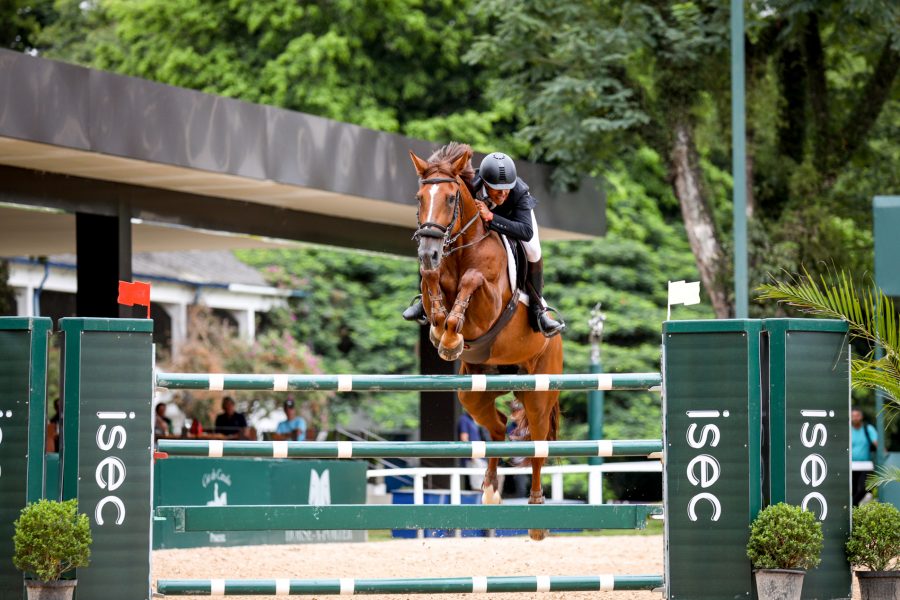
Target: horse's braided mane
x: 442, y: 161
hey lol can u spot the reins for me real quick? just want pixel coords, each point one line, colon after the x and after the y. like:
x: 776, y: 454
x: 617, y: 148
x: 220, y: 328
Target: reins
x: 428, y: 228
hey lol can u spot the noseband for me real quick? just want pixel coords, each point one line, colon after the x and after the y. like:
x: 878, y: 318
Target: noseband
x: 438, y: 231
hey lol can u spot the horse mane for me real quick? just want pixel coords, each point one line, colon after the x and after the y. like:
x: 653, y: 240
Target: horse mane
x: 442, y: 161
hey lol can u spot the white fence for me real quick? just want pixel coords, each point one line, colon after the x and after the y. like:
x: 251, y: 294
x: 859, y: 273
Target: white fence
x: 556, y: 473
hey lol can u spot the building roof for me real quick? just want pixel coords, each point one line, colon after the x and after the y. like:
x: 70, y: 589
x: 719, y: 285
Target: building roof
x: 86, y: 140
x: 190, y: 266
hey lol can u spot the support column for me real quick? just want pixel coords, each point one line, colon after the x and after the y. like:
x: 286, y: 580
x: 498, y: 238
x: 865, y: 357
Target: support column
x: 23, y: 400
x: 179, y: 319
x: 438, y: 411
x: 809, y: 437
x: 25, y: 301
x: 107, y: 449
x: 711, y: 433
x: 246, y: 320
x: 103, y: 245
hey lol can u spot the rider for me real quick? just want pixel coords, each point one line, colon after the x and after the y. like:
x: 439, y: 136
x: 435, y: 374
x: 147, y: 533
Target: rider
x: 506, y: 206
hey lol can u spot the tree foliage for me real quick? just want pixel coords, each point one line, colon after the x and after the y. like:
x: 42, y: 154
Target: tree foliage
x: 785, y: 537
x: 51, y: 538
x: 601, y: 78
x: 875, y: 537
x: 377, y: 64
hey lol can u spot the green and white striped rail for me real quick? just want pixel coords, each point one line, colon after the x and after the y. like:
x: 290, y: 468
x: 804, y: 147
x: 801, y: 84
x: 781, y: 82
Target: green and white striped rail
x: 448, y: 585
x: 406, y: 516
x: 220, y: 448
x: 399, y: 383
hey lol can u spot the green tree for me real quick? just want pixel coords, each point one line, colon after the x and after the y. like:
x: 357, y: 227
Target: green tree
x: 377, y: 64
x: 21, y: 22
x: 600, y: 78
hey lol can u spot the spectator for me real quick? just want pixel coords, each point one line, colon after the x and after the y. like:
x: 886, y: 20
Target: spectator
x: 515, y: 432
x: 293, y: 428
x: 863, y: 443
x: 229, y: 422
x: 468, y: 431
x: 162, y: 424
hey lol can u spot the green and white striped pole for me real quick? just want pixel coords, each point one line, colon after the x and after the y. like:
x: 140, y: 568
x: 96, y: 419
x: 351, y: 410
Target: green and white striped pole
x: 399, y: 383
x: 448, y: 585
x: 540, y: 449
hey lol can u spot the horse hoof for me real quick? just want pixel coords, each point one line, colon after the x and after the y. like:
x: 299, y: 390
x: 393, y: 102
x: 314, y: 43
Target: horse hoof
x: 434, y: 337
x: 490, y: 496
x: 537, y: 534
x: 451, y: 354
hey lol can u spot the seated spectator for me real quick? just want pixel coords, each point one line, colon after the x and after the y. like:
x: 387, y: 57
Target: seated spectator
x: 230, y: 423
x: 293, y: 428
x: 162, y: 424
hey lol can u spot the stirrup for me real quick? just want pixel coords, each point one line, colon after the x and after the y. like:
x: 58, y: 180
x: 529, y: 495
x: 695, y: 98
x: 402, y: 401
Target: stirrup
x: 416, y: 311
x: 552, y: 329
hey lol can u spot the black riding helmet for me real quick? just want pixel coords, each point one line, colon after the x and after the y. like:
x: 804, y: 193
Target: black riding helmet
x: 498, y: 171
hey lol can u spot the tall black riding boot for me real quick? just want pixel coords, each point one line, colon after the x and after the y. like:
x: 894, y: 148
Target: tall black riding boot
x: 415, y: 311
x: 541, y: 319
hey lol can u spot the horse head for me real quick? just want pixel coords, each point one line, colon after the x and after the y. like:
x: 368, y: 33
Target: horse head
x: 440, y: 200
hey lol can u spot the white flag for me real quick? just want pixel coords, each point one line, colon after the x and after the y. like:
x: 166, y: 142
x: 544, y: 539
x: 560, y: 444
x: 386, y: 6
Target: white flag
x: 681, y: 292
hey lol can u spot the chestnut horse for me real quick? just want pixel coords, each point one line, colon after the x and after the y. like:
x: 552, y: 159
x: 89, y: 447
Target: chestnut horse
x: 464, y: 266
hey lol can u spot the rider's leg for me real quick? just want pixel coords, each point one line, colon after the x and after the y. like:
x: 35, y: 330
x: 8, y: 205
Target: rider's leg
x: 534, y: 285
x: 416, y: 311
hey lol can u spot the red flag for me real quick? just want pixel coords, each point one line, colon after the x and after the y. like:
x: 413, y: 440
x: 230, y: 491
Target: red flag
x: 137, y: 293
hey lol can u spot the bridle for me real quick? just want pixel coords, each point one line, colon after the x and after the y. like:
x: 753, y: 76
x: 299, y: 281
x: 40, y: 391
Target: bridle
x: 438, y: 231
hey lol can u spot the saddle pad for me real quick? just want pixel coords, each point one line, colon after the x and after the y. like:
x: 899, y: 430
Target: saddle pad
x: 515, y: 266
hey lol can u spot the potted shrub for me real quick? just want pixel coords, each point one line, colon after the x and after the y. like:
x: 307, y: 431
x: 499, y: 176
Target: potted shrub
x: 51, y: 538
x: 785, y: 541
x: 875, y: 544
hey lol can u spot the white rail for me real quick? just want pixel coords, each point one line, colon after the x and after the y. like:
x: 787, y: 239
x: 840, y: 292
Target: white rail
x: 556, y: 473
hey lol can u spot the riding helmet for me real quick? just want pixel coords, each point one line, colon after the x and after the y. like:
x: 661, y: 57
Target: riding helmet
x: 498, y: 171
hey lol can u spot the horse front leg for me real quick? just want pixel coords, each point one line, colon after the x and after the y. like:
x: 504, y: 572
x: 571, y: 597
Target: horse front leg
x: 451, y: 345
x: 433, y: 299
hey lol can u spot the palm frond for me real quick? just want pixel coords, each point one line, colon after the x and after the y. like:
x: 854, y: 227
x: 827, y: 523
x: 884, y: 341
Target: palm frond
x: 883, y: 475
x: 870, y: 315
x: 882, y: 374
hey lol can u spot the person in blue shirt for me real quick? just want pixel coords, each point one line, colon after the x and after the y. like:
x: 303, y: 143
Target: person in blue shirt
x: 863, y: 443
x: 293, y: 428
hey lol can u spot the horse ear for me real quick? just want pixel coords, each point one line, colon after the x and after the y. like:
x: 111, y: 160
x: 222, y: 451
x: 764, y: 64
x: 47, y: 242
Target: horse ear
x: 418, y: 163
x: 461, y: 162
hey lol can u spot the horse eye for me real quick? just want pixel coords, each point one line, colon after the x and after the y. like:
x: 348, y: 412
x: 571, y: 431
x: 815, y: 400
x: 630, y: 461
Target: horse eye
x: 450, y: 199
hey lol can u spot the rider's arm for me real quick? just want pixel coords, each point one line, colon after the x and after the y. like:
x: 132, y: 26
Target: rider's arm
x: 516, y: 225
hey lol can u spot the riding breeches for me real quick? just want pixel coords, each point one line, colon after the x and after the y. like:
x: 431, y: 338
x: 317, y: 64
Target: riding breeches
x: 533, y: 246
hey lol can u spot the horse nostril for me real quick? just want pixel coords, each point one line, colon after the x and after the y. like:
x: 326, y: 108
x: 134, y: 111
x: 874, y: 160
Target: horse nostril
x: 434, y: 256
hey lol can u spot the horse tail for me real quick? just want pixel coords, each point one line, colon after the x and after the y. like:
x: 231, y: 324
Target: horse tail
x: 522, y: 432
x: 553, y: 433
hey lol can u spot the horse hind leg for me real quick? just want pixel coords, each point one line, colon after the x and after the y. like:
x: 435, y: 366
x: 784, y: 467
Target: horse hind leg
x: 541, y: 423
x: 483, y: 409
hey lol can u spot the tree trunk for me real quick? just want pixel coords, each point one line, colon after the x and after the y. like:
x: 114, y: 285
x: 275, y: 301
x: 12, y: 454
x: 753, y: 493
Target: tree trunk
x: 698, y: 219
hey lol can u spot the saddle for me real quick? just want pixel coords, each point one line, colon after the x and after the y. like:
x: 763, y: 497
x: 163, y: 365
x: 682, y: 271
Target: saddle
x: 477, y: 351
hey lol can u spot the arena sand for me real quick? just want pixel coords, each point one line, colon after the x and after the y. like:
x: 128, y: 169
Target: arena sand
x: 454, y: 557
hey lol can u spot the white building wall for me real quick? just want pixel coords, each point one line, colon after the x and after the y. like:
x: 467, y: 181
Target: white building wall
x: 241, y: 301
